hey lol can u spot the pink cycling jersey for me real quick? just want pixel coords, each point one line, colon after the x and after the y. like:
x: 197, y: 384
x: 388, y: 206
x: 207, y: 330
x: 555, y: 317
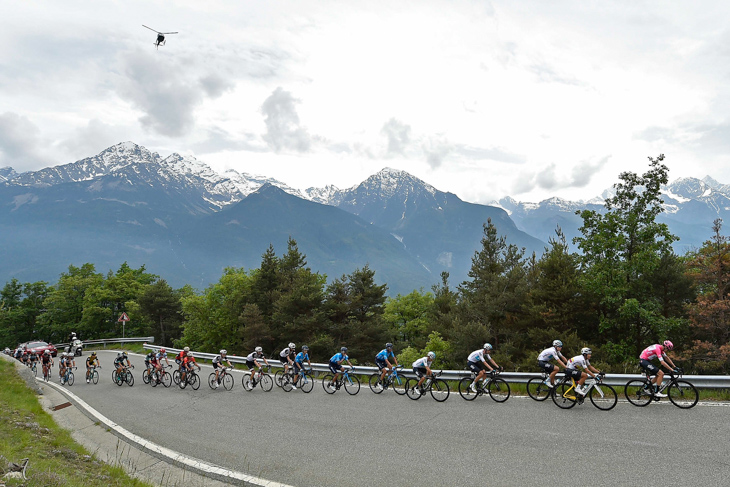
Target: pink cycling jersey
x: 652, y: 352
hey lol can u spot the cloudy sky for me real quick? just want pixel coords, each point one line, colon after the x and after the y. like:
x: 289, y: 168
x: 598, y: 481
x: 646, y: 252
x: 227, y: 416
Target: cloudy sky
x: 530, y: 99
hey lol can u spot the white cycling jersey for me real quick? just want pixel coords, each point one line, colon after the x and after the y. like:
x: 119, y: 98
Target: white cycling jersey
x: 478, y: 355
x: 422, y: 362
x: 285, y: 353
x: 578, y: 361
x: 253, y: 356
x: 219, y: 359
x: 549, y: 353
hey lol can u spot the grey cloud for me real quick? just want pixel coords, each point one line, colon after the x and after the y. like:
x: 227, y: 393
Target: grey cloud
x: 546, y: 178
x: 21, y: 144
x: 398, y: 135
x: 493, y: 153
x: 654, y: 134
x: 215, y: 85
x: 217, y: 139
x: 436, y: 150
x: 91, y: 139
x: 283, y: 131
x: 582, y: 173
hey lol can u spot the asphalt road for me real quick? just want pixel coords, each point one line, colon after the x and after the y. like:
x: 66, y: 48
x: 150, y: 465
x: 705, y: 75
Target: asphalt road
x: 339, y: 440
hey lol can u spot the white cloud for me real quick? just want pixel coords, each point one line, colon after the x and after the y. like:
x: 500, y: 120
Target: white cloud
x: 283, y: 130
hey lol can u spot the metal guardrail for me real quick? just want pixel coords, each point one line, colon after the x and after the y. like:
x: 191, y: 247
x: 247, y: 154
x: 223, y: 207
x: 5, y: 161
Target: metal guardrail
x: 701, y: 381
x: 108, y: 341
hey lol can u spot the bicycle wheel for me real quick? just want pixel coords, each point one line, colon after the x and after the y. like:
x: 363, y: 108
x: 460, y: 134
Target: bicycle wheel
x: 373, y: 382
x: 35, y: 370
x: 306, y: 382
x: 278, y: 376
x: 95, y: 377
x: 399, y: 384
x: 327, y: 384
x: 152, y: 379
x: 266, y: 382
x: 70, y: 380
x: 118, y: 378
x: 227, y: 382
x: 146, y: 376
x: 683, y: 394
x: 562, y: 398
x: 166, y: 379
x: 498, y: 389
x: 211, y: 380
x: 286, y: 382
x: 465, y: 389
x: 246, y: 381
x: 129, y: 379
x: 411, y: 389
x: 603, y: 396
x: 439, y: 390
x: 194, y: 381
x: 638, y: 392
x: 537, y: 389
x: 352, y: 384
x: 183, y: 382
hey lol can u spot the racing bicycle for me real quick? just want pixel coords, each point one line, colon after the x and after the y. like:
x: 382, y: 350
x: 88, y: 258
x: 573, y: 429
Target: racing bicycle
x: 602, y: 395
x: 258, y: 378
x: 537, y: 387
x: 303, y: 379
x: 125, y: 375
x: 681, y: 393
x: 346, y: 379
x: 224, y: 378
x: 497, y: 388
x: 395, y: 379
x: 438, y: 388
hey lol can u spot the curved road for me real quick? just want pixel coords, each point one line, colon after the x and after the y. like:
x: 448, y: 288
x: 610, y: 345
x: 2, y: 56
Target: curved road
x: 339, y: 440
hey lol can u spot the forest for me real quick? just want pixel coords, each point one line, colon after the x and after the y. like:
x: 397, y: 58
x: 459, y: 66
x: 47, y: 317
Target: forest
x: 623, y: 290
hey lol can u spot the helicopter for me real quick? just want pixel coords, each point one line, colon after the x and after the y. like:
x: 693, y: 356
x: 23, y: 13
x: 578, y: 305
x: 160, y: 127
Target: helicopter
x: 160, y: 36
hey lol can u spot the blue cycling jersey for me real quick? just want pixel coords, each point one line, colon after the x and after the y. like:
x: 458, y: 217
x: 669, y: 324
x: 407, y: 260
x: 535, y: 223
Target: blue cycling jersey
x: 338, y: 357
x: 301, y: 357
x: 384, y: 354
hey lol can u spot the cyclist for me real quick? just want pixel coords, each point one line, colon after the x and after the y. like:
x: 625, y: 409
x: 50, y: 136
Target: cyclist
x: 91, y: 361
x: 657, y: 351
x: 581, y: 361
x: 159, y: 356
x: 119, y: 361
x: 478, y: 364
x: 381, y: 360
x: 187, y: 365
x: 543, y: 361
x: 422, y: 369
x: 336, y: 364
x: 299, y: 362
x: 286, y: 356
x: 70, y: 362
x: 217, y: 362
x: 47, y: 361
x: 149, y: 361
x: 32, y: 358
x: 252, y: 362
x: 181, y: 356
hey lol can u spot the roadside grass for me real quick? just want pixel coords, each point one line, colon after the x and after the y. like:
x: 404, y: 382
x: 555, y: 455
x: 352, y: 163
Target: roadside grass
x: 55, y: 459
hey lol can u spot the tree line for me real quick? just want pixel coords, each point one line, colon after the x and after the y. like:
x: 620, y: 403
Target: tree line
x: 625, y: 289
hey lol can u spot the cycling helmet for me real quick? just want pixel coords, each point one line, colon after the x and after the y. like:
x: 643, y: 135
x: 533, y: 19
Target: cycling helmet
x: 487, y: 346
x: 343, y: 349
x: 190, y: 354
x: 186, y: 349
x: 162, y: 350
x: 93, y: 354
x: 388, y: 345
x: 668, y: 345
x: 586, y: 351
x: 557, y: 343
x: 305, y: 348
x: 48, y: 352
x: 119, y: 354
x: 224, y: 351
x: 291, y: 345
x: 259, y: 349
x: 124, y: 353
x: 431, y: 355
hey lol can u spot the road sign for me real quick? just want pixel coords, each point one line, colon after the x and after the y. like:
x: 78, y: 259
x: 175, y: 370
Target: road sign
x: 124, y: 317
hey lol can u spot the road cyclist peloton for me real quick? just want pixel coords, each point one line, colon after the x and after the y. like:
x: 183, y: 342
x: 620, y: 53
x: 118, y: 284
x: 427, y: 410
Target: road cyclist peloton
x: 252, y: 362
x: 659, y: 352
x: 477, y: 363
x: 336, y: 364
x: 218, y: 361
x: 422, y: 369
x: 544, y: 358
x: 286, y: 356
x: 91, y: 362
x: 47, y: 362
x: 299, y: 362
x: 382, y: 360
x: 581, y: 361
x: 119, y: 361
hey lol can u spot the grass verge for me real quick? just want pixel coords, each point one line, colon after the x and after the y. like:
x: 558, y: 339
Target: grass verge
x: 55, y: 459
